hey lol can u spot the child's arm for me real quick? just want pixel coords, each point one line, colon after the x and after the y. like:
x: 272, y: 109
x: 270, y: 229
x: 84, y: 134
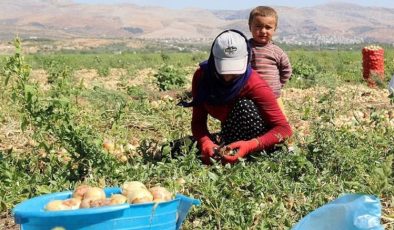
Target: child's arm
x: 285, y: 69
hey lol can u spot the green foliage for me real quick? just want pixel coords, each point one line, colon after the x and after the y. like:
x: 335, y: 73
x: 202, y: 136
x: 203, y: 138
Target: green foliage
x: 304, y: 73
x: 165, y: 57
x: 325, y: 68
x: 56, y: 70
x: 54, y: 117
x: 18, y: 172
x: 103, y: 62
x: 270, y: 191
x: 170, y: 77
x: 391, y: 98
x: 102, y: 70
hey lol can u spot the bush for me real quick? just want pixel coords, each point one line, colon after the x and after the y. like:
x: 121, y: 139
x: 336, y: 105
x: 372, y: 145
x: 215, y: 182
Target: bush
x: 305, y: 73
x: 169, y: 77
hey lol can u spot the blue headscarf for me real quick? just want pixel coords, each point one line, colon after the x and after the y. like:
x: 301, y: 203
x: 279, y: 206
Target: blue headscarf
x: 212, y: 89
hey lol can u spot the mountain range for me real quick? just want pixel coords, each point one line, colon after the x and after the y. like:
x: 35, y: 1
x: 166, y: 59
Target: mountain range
x: 64, y: 19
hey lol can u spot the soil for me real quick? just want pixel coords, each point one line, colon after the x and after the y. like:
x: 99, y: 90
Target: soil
x: 7, y: 222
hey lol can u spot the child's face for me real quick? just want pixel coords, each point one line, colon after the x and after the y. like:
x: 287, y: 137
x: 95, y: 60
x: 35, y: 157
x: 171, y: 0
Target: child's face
x: 262, y: 29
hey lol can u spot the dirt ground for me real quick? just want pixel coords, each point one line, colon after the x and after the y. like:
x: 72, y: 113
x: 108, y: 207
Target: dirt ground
x: 7, y: 222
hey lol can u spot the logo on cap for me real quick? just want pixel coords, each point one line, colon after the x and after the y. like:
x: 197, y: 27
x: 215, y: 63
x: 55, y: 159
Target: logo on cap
x: 230, y: 50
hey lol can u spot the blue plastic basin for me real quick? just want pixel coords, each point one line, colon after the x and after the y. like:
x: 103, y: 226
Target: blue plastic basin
x: 31, y: 215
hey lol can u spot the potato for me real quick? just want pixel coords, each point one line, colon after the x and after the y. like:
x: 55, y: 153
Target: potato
x: 130, y: 186
x: 55, y: 205
x: 59, y: 205
x: 94, y: 193
x: 86, y: 203
x: 139, y: 196
x: 225, y: 150
x: 109, y: 146
x: 160, y: 194
x: 116, y: 199
x: 113, y: 200
x: 72, y: 203
x: 99, y: 203
x: 80, y: 191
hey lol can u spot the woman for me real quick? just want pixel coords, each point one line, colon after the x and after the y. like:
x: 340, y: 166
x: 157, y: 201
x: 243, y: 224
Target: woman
x: 226, y: 88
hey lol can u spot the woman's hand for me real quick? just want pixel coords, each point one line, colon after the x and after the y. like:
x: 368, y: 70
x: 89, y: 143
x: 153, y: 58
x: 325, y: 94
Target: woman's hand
x: 242, y: 148
x: 207, y: 150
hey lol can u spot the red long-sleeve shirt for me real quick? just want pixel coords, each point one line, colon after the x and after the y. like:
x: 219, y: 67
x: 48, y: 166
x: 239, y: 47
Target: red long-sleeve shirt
x: 257, y: 90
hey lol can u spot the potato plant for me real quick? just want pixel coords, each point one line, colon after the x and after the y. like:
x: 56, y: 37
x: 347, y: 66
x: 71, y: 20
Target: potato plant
x: 90, y: 133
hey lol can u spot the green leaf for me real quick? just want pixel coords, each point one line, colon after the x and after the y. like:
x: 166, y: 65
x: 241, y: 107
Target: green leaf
x: 43, y: 189
x: 213, y: 176
x: 3, y: 206
x: 24, y: 123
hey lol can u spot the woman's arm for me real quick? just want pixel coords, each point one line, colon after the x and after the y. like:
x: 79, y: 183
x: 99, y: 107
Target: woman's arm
x: 278, y: 127
x: 199, y: 114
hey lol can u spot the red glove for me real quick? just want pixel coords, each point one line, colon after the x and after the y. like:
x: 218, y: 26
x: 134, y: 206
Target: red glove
x: 244, y: 148
x: 207, y: 149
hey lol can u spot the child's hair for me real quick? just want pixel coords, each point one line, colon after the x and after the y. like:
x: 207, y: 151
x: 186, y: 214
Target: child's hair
x: 264, y: 11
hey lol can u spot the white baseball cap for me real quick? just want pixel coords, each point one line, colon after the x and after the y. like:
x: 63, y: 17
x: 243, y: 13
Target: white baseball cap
x: 231, y: 53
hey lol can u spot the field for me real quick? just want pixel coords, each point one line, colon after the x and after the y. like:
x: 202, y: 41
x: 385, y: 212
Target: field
x: 57, y: 110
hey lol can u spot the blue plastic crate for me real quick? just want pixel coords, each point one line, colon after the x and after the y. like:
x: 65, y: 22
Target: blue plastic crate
x: 31, y: 214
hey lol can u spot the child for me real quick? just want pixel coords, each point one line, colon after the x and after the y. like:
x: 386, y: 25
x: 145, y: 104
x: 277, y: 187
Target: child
x: 270, y: 61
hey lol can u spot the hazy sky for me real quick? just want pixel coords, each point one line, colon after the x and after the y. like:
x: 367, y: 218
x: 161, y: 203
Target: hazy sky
x: 238, y: 4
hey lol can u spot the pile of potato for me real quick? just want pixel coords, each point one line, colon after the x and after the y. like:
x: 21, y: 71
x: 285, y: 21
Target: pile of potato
x: 134, y: 192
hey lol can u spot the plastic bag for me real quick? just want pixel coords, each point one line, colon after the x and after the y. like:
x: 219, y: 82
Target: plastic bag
x: 391, y: 85
x: 349, y: 212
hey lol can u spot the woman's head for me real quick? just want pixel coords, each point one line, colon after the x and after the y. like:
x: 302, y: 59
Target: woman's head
x: 226, y: 71
x: 230, y: 53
